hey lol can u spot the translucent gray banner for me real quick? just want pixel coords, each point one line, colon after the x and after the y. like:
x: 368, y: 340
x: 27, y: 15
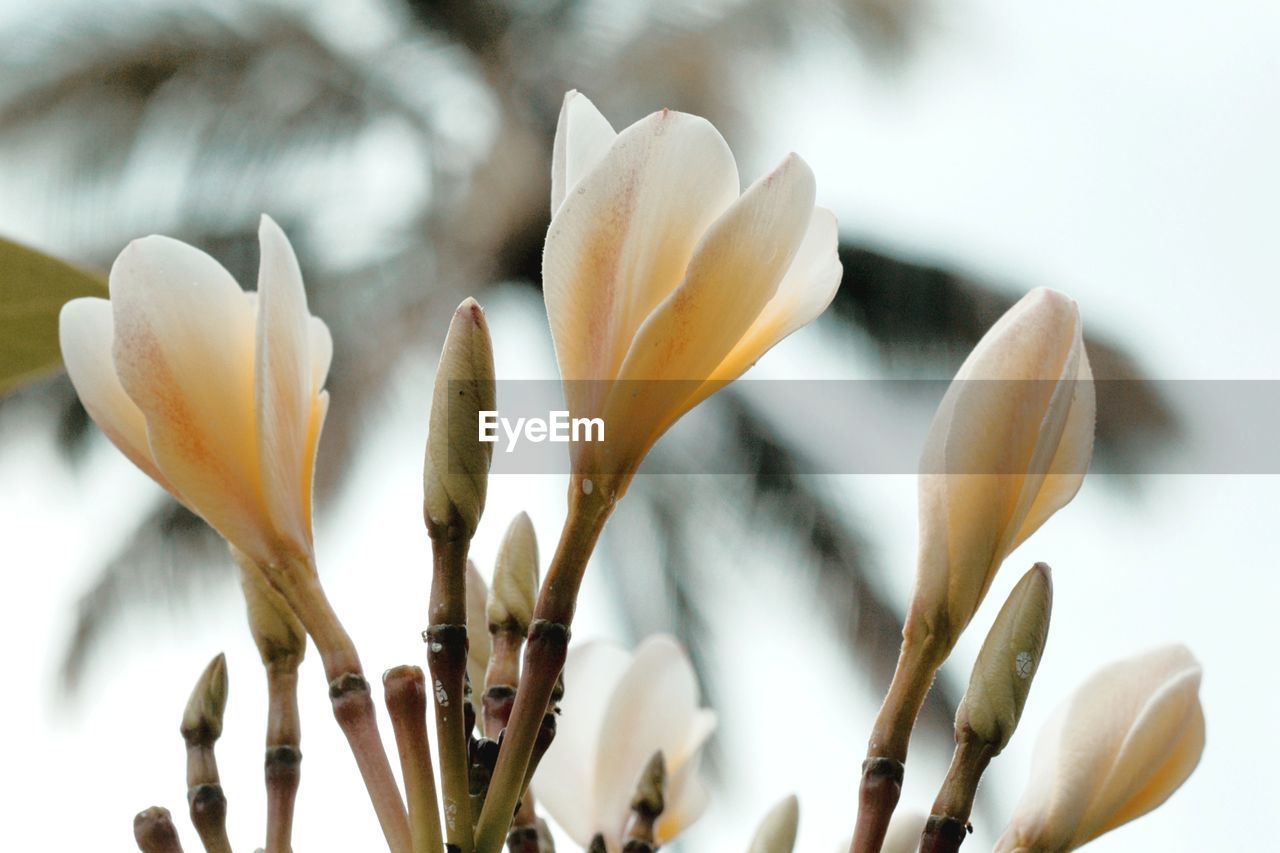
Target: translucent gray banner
x: 879, y: 426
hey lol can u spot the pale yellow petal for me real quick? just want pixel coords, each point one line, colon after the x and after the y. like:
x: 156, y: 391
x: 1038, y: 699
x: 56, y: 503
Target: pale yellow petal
x: 1071, y: 462
x: 85, y: 333
x: 733, y: 276
x: 583, y: 136
x: 284, y: 380
x: 803, y: 294
x: 184, y: 352
x: 621, y: 242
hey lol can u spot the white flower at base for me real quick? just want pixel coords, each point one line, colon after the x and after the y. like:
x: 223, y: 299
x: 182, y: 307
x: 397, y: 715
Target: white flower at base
x: 620, y: 708
x: 663, y: 279
x: 1116, y: 749
x: 214, y: 392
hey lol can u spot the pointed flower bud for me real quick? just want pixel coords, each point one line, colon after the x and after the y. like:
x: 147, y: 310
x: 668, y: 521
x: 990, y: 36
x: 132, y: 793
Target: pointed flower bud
x: 202, y: 720
x: 215, y: 393
x: 663, y: 279
x: 1008, y: 661
x: 777, y: 832
x: 1008, y: 448
x: 1116, y: 749
x: 515, y: 577
x: 456, y: 471
x: 479, y: 643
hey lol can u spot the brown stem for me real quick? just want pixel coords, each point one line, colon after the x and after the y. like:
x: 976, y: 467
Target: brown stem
x: 447, y: 658
x: 154, y: 831
x: 349, y: 693
x: 543, y: 660
x: 405, y: 688
x: 942, y: 835
x: 883, y: 769
x: 949, y: 822
x: 282, y: 764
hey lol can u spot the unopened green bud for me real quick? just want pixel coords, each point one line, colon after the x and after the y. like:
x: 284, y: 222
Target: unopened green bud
x: 456, y: 472
x: 777, y: 832
x: 1009, y: 658
x: 202, y: 720
x: 515, y: 578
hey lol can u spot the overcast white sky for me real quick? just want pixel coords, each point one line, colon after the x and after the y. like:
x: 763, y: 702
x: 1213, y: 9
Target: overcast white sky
x: 1123, y: 152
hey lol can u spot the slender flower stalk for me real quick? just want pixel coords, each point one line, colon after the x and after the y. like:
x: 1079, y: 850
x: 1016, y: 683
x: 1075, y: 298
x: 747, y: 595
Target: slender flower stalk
x: 281, y: 642
x: 405, y: 689
x: 201, y: 728
x: 1008, y: 447
x: 154, y: 832
x: 1119, y: 747
x: 455, y: 476
x: 218, y: 395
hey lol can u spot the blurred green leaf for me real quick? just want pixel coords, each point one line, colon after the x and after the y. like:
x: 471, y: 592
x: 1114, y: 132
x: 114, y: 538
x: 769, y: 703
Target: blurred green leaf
x: 33, y: 289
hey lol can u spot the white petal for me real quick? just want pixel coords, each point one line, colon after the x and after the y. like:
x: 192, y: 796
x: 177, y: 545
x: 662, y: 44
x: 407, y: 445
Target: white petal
x: 1071, y: 461
x: 321, y: 353
x: 803, y: 294
x: 284, y: 381
x: 184, y: 352
x: 1119, y: 746
x: 564, y: 782
x: 583, y: 136
x: 733, y: 276
x: 652, y: 709
x: 86, y: 334
x: 1153, y: 735
x: 623, y: 239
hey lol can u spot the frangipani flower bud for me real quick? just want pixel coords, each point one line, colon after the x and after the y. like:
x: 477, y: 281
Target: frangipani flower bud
x: 1116, y: 749
x: 1007, y: 662
x: 515, y: 577
x: 456, y: 471
x: 621, y: 708
x: 1008, y: 447
x: 479, y: 643
x: 213, y: 392
x: 663, y: 281
x: 777, y: 832
x: 202, y: 720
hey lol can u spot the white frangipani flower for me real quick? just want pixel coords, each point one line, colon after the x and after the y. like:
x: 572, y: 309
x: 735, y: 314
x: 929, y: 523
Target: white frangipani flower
x: 1116, y: 749
x: 619, y: 709
x: 664, y: 280
x: 215, y: 393
x: 1008, y: 447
